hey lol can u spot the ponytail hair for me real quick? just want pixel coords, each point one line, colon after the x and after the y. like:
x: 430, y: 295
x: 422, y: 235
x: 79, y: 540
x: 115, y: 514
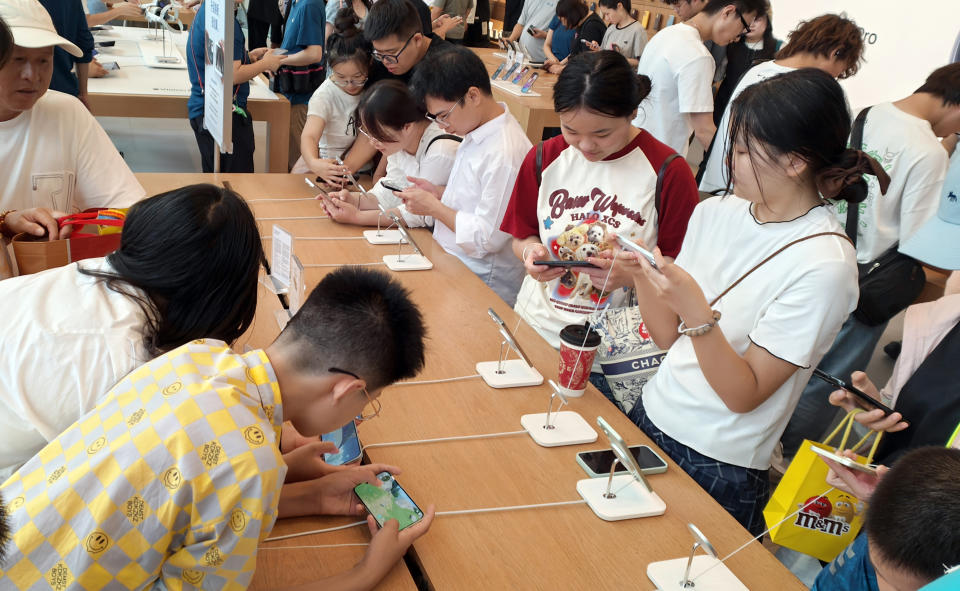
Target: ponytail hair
x: 601, y: 81
x: 347, y: 41
x: 804, y: 112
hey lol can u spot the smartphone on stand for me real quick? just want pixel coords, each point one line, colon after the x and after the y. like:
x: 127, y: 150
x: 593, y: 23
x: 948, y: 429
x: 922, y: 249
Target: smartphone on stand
x: 388, y: 501
x: 347, y: 441
x: 596, y: 463
x: 520, y: 74
x: 529, y: 83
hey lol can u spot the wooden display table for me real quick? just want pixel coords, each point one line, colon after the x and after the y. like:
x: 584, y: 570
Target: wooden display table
x: 533, y: 112
x: 560, y: 547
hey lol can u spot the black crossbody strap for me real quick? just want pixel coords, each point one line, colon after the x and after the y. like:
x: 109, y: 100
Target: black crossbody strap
x: 853, y: 209
x: 444, y: 136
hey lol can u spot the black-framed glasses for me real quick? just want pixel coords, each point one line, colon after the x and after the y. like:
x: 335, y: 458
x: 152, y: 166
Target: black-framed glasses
x: 441, y: 118
x: 743, y: 21
x: 373, y: 403
x: 391, y: 59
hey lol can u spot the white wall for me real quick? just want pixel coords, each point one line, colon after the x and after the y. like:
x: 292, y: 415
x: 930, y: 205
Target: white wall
x: 904, y: 41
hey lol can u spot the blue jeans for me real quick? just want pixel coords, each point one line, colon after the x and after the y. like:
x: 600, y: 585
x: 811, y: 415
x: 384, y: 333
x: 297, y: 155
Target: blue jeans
x: 851, y: 351
x: 743, y: 492
x: 599, y: 381
x: 850, y: 571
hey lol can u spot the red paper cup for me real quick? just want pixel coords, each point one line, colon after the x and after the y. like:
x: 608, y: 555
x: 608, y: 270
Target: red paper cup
x: 578, y: 348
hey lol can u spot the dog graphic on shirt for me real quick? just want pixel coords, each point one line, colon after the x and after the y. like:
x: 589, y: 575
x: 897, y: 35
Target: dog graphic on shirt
x: 578, y: 242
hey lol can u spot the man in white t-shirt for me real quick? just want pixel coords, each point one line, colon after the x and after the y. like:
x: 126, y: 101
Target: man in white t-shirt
x: 681, y: 72
x: 903, y: 137
x: 531, y: 28
x: 829, y: 42
x: 56, y: 157
x: 686, y: 9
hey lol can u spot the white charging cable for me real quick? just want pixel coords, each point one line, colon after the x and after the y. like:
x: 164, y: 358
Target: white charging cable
x: 437, y: 381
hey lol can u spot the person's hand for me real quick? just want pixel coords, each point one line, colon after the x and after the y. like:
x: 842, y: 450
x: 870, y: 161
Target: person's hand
x: 550, y: 62
x: 538, y: 252
x: 127, y: 10
x: 442, y: 24
x: 36, y: 222
x: 555, y: 68
x: 339, y: 208
x: 621, y: 275
x: 678, y: 289
x: 256, y: 54
x: 592, y: 45
x: 334, y: 493
x: 306, y: 462
x: 859, y: 484
x: 270, y: 61
x: 330, y: 172
x: 422, y: 197
x: 872, y: 418
x: 96, y: 70
x: 538, y: 33
x: 388, y: 544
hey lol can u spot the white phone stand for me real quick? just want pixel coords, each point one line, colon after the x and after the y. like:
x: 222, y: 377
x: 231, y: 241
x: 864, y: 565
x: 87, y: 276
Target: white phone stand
x: 508, y: 373
x: 553, y: 429
x: 620, y: 497
x: 414, y: 261
x: 384, y: 235
x: 702, y: 573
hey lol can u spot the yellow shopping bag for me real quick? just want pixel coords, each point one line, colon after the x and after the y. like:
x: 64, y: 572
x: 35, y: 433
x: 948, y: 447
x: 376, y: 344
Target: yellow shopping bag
x: 825, y: 523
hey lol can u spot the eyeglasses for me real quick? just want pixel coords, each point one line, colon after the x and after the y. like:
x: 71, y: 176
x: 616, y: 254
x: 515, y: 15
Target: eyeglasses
x: 345, y: 82
x: 373, y: 403
x: 388, y: 58
x: 441, y: 118
x: 746, y: 25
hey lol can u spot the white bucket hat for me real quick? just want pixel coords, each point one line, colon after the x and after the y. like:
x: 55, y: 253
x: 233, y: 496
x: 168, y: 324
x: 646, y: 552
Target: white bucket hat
x: 32, y: 27
x: 937, y: 242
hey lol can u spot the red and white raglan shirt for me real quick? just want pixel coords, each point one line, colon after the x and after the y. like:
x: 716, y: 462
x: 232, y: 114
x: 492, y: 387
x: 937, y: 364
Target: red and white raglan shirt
x: 577, y: 203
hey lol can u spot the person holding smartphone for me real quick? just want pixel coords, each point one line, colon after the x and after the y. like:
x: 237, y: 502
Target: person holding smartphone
x: 531, y: 27
x: 597, y: 178
x: 413, y: 146
x: 743, y: 344
x: 588, y: 30
x: 624, y: 33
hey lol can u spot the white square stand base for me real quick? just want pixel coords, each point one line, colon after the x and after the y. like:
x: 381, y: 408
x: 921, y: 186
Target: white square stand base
x: 633, y: 499
x: 569, y: 429
x: 273, y: 286
x: 407, y: 262
x: 668, y: 574
x: 384, y: 237
x: 515, y: 373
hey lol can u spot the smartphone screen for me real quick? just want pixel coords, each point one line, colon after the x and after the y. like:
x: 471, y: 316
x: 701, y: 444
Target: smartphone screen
x: 600, y: 461
x: 347, y: 441
x: 388, y: 501
x: 529, y: 84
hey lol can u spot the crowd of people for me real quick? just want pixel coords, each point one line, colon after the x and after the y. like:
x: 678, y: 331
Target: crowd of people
x: 806, y: 215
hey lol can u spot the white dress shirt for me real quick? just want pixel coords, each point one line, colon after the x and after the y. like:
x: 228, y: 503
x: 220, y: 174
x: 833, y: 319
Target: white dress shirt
x: 479, y: 190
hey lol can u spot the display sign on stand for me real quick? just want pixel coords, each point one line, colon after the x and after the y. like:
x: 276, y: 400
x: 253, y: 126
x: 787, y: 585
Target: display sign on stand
x: 218, y: 75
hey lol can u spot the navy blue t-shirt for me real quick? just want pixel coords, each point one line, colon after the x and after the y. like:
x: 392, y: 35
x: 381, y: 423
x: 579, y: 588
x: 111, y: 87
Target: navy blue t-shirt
x: 305, y: 26
x: 562, y: 38
x: 71, y: 24
x: 195, y: 63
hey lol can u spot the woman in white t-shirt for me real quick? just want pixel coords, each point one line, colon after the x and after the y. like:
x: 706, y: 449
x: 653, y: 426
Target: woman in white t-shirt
x: 331, y: 131
x: 737, y: 361
x: 395, y: 124
x: 186, y: 268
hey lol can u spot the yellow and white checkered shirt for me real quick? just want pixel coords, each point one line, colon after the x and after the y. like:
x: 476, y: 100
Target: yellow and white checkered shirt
x: 170, y: 483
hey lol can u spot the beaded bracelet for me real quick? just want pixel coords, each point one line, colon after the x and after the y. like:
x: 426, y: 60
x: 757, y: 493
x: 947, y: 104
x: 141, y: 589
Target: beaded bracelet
x: 699, y: 330
x: 3, y: 220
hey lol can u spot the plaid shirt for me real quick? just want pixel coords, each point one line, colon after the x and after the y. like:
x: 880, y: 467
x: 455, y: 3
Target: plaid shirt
x: 171, y: 481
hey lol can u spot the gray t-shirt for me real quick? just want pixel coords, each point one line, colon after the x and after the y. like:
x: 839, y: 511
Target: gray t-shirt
x: 630, y: 40
x: 454, y: 8
x: 536, y: 13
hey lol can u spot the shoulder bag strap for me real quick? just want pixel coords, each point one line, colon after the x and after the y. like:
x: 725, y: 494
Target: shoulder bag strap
x: 443, y: 136
x: 538, y: 165
x: 853, y: 209
x: 660, y: 174
x: 778, y: 251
